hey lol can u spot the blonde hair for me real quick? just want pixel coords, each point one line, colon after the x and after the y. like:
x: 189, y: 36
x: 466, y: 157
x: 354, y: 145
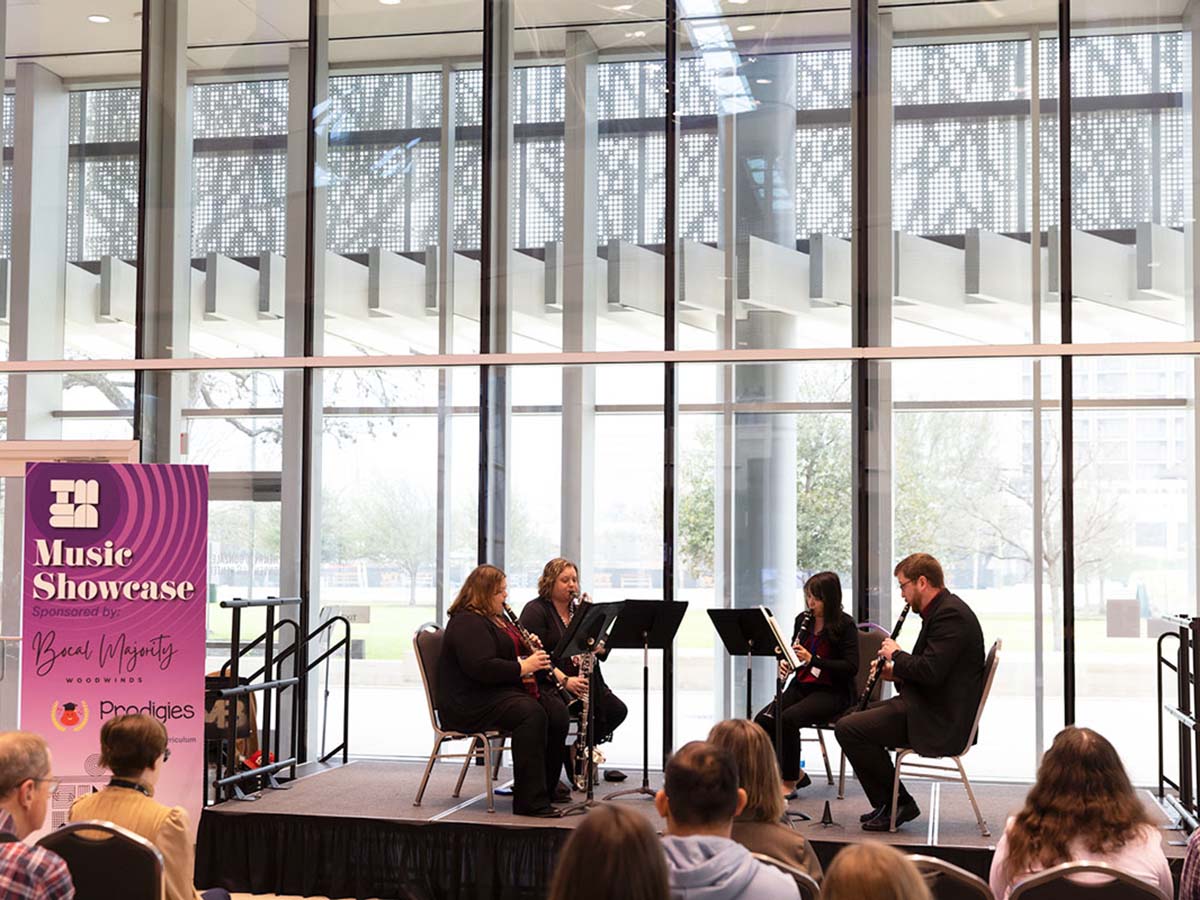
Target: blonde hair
x: 550, y: 574
x: 758, y: 770
x: 477, y: 591
x: 874, y: 870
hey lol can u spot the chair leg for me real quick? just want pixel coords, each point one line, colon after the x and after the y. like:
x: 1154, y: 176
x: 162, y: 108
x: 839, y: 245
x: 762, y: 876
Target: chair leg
x: 842, y: 776
x: 499, y: 759
x: 896, y: 790
x: 433, y: 755
x: 983, y: 828
x: 825, y: 756
x: 462, y: 773
x: 487, y: 772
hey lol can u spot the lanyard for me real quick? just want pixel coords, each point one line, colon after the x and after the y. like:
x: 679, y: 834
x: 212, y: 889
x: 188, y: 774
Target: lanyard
x: 132, y: 785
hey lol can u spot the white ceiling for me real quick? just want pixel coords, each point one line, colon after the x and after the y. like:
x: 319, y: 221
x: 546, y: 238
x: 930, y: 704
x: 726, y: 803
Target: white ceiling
x: 58, y: 33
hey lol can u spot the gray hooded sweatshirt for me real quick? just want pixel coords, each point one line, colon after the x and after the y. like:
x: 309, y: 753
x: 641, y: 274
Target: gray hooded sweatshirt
x: 703, y: 867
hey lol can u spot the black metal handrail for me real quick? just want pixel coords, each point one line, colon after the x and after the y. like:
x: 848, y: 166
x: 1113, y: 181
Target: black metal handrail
x: 1183, y: 710
x: 228, y: 782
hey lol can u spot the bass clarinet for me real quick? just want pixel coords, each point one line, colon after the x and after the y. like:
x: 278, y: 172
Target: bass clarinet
x: 532, y: 643
x: 875, y: 676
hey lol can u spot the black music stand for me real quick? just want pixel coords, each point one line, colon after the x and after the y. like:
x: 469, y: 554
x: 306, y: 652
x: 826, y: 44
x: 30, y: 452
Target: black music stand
x: 648, y: 625
x: 588, y: 628
x: 753, y: 632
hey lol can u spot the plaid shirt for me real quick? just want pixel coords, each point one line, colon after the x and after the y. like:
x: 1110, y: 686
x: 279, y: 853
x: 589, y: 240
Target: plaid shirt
x: 31, y: 873
x: 1189, y: 881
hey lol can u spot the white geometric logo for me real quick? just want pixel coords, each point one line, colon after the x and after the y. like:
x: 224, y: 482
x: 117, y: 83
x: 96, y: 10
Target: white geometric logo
x: 75, y: 502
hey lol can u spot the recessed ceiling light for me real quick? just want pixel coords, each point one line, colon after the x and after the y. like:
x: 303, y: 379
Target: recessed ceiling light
x: 390, y: 2
x: 746, y: 27
x: 762, y: 80
x: 624, y: 7
x: 99, y: 20
x: 739, y: 2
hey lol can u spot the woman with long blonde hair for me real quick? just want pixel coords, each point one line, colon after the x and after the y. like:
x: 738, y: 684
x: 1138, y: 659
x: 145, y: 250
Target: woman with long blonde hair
x: 484, y: 683
x: 761, y: 826
x: 873, y: 872
x: 1082, y: 808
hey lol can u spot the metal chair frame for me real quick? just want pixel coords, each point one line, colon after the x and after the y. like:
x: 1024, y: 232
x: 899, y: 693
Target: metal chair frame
x: 931, y: 865
x: 1064, y: 870
x: 941, y: 771
x: 482, y: 747
x: 55, y: 839
x: 809, y: 889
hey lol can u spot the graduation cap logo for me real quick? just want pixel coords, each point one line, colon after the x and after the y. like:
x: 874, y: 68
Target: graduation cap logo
x: 69, y: 716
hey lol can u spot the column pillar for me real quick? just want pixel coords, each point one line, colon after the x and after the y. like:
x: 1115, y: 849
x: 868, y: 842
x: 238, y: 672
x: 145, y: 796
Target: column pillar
x: 445, y: 301
x: 579, y: 300
x: 764, y: 444
x: 1191, y: 25
x: 166, y: 262
x: 495, y: 408
x: 37, y: 311
x: 871, y: 130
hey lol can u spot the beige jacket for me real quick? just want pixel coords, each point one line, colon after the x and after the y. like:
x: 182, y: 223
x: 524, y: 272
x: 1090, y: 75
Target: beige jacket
x: 164, y: 826
x: 780, y: 841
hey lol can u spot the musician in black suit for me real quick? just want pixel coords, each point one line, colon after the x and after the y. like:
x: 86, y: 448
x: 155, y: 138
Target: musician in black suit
x: 940, y: 683
x: 824, y: 686
x: 547, y: 616
x: 485, y: 682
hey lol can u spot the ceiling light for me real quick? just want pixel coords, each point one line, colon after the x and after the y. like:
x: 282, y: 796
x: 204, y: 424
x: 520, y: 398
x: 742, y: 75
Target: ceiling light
x: 746, y: 27
x: 390, y: 2
x: 99, y: 20
x: 762, y: 80
x: 624, y: 7
x: 739, y: 2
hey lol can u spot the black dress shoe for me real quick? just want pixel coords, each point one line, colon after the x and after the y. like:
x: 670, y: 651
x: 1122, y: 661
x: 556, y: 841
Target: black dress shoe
x: 804, y: 781
x: 868, y: 816
x: 614, y: 775
x: 906, y: 812
x: 791, y: 795
x: 562, y: 794
x: 546, y: 812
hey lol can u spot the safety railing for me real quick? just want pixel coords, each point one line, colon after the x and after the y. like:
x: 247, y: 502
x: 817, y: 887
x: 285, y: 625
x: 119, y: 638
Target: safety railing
x: 1181, y: 707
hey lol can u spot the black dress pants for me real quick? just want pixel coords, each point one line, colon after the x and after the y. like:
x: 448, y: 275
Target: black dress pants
x: 804, y: 705
x: 539, y: 731
x: 865, y: 738
x: 610, y: 712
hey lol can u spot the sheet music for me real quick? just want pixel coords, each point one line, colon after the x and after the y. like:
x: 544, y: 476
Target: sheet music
x: 784, y: 645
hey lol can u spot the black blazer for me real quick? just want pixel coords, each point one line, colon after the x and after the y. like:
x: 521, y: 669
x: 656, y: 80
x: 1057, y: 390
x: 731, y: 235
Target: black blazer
x: 843, y: 663
x: 477, y: 672
x: 942, y: 679
x: 540, y: 617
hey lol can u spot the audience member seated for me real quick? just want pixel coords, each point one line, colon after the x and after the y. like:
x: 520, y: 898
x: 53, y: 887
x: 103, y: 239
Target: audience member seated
x: 1081, y: 809
x: 27, y: 873
x: 1189, y: 881
x: 873, y: 872
x: 761, y: 827
x: 699, y: 800
x: 134, y: 748
x: 613, y: 851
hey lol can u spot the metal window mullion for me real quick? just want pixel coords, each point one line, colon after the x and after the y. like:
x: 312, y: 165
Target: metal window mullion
x: 670, y: 407
x: 1066, y: 293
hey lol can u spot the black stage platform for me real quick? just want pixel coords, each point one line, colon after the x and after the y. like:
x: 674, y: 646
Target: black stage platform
x: 352, y: 831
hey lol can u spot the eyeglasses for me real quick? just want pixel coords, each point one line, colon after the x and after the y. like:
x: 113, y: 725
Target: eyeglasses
x: 52, y: 781
x: 166, y: 754
x: 904, y: 584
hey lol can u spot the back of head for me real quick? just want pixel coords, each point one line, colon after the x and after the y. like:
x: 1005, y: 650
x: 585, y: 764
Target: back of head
x: 701, y: 784
x: 1082, y: 794
x: 873, y: 872
x: 131, y: 744
x: 23, y: 755
x: 758, y: 770
x: 613, y: 850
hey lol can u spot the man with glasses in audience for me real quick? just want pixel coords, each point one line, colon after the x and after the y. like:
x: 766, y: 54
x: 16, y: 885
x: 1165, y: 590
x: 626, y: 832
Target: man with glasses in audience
x: 939, y: 682
x: 27, y: 873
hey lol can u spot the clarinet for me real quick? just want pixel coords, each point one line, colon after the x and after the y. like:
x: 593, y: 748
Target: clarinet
x: 875, y: 676
x: 532, y: 643
x: 803, y: 627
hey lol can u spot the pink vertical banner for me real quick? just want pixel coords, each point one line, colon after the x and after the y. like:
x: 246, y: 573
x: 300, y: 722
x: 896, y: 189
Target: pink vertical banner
x: 114, y: 592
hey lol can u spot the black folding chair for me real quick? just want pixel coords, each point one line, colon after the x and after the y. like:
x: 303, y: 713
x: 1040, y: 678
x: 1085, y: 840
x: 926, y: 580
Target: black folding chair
x: 108, y: 862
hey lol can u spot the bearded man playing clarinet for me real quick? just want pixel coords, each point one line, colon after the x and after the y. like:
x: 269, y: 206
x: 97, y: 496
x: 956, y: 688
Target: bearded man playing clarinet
x: 939, y: 684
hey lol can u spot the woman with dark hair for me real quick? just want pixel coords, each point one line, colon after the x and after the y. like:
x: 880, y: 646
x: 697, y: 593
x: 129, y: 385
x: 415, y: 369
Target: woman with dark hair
x: 484, y: 682
x: 1081, y: 809
x: 613, y: 850
x: 824, y: 685
x: 134, y: 748
x: 761, y: 827
x: 547, y: 616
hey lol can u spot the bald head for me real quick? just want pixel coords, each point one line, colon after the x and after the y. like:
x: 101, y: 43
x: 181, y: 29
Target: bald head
x: 23, y: 755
